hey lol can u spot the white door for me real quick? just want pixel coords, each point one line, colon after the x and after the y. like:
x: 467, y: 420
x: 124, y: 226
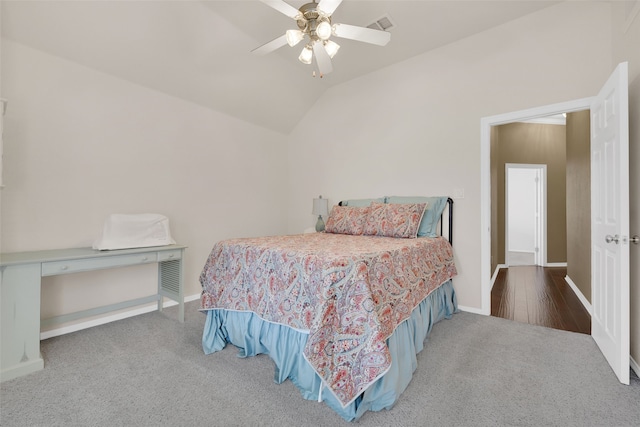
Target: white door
x: 610, y: 221
x: 524, y: 218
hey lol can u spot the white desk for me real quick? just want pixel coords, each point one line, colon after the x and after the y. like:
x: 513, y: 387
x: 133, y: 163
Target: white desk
x: 20, y: 281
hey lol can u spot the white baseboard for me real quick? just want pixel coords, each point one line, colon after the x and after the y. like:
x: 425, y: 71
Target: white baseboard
x: 579, y: 294
x: 471, y: 310
x: 556, y: 264
x: 495, y: 274
x: 135, y: 312
x: 634, y: 365
x: 112, y: 318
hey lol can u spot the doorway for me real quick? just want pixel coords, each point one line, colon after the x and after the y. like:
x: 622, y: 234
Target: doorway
x: 609, y: 188
x: 525, y: 215
x: 487, y: 124
x: 527, y: 288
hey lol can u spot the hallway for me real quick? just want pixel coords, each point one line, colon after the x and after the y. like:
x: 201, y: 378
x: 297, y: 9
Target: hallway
x: 538, y: 296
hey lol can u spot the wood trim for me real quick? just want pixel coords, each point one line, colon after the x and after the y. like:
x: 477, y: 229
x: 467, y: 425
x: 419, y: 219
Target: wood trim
x: 580, y: 295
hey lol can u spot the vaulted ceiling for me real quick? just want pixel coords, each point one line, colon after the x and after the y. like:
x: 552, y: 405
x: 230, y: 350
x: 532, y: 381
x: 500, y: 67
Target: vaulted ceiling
x: 200, y: 50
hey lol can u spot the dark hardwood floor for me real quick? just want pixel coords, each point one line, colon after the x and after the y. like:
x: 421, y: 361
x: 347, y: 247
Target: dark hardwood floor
x: 539, y: 296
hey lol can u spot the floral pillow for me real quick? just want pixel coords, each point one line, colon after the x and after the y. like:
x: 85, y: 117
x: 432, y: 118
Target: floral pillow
x: 394, y: 220
x: 347, y: 220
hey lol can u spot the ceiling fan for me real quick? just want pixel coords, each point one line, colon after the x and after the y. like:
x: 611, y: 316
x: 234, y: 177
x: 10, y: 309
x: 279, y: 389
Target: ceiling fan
x: 315, y: 27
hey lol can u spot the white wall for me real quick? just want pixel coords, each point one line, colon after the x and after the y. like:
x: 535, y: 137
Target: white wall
x: 626, y: 38
x: 414, y: 128
x: 80, y: 144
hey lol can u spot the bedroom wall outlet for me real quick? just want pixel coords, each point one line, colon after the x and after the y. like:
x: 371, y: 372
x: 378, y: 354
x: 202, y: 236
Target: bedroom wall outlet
x: 458, y: 193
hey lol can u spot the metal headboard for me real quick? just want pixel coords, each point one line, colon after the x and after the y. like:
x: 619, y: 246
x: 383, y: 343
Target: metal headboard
x: 450, y: 218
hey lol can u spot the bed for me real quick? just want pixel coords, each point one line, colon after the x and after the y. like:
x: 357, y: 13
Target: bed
x: 342, y: 313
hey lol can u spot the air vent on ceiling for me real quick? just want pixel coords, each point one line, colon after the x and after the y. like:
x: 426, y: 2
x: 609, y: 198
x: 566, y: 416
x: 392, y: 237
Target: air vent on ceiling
x: 384, y: 23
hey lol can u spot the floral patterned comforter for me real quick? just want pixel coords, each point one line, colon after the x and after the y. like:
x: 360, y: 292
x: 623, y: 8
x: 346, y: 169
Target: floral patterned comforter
x: 348, y: 292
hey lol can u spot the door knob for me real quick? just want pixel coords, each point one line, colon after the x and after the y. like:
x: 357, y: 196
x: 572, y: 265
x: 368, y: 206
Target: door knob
x: 635, y: 239
x: 609, y: 238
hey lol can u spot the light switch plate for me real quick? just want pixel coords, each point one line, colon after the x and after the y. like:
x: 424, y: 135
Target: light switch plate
x: 458, y: 193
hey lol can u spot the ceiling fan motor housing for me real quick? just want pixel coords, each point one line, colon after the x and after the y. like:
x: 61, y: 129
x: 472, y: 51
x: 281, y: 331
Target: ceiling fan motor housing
x: 310, y: 19
x: 314, y: 24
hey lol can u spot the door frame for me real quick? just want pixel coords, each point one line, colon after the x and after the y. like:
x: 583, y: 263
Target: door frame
x: 485, y: 180
x: 540, y: 256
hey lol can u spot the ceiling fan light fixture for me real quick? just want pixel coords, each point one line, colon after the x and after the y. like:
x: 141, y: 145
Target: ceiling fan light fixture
x: 323, y: 30
x: 331, y: 47
x: 315, y: 25
x: 294, y: 37
x: 306, y: 55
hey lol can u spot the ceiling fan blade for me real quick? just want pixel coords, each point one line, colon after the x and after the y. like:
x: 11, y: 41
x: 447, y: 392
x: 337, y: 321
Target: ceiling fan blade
x: 271, y: 46
x: 329, y: 6
x: 367, y: 35
x: 283, y: 7
x: 322, y: 58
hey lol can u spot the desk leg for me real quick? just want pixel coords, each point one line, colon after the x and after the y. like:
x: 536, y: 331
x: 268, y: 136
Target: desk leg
x: 20, y: 330
x: 181, y: 291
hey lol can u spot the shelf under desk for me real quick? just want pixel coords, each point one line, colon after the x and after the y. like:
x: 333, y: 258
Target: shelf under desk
x: 20, y: 284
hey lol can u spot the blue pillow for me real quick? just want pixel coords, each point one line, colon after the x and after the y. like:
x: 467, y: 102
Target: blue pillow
x: 435, y: 207
x: 361, y: 202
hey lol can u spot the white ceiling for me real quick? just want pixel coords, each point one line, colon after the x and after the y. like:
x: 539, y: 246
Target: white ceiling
x: 200, y: 50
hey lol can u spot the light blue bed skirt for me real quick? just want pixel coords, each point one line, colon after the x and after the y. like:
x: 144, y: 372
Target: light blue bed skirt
x: 285, y: 346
